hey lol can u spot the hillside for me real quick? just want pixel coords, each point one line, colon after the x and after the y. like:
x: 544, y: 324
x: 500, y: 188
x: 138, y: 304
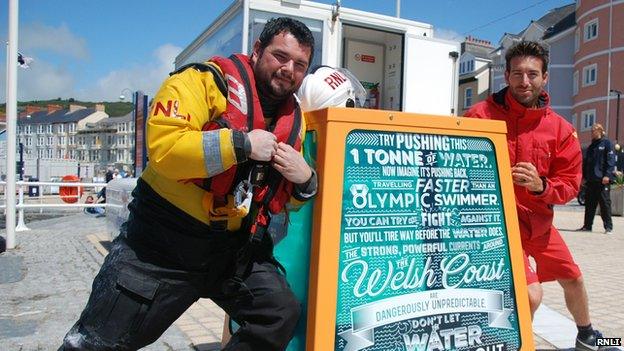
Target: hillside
x: 113, y: 109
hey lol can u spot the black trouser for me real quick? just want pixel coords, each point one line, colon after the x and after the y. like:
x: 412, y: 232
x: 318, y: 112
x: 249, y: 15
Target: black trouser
x: 153, y: 274
x: 598, y: 193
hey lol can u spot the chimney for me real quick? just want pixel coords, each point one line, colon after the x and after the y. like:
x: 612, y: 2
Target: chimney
x: 53, y: 108
x: 100, y: 107
x: 74, y: 108
x: 29, y: 110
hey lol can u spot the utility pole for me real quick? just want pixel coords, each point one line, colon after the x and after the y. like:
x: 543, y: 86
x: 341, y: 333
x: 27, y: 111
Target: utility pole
x: 20, y: 165
x: 11, y: 121
x: 617, y: 114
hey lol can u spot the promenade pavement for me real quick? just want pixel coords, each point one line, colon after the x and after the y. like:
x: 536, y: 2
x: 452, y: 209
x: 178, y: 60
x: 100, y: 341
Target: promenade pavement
x: 46, y: 280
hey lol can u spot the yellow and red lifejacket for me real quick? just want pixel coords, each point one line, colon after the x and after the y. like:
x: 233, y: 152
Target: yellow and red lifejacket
x: 244, y: 113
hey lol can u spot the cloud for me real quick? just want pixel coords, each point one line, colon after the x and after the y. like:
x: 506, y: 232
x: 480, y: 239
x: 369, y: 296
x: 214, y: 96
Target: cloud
x: 47, y: 81
x: 41, y: 81
x: 60, y: 40
x: 447, y: 34
x: 146, y: 77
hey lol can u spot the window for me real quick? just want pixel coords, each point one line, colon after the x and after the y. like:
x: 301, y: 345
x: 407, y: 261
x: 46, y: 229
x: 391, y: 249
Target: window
x: 49, y: 129
x: 29, y: 141
x: 590, y: 74
x: 59, y: 153
x: 41, y: 153
x: 591, y: 30
x: 61, y: 128
x: 62, y: 141
x: 40, y: 128
x: 28, y: 129
x: 466, y: 67
x: 72, y: 154
x: 575, y: 83
x: 110, y: 140
x: 19, y: 129
x: 40, y: 141
x: 467, y: 97
x: 588, y: 118
x: 72, y: 140
x: 72, y: 127
x: 50, y: 141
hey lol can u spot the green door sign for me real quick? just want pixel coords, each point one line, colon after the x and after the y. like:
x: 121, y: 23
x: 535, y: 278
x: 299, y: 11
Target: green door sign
x: 424, y: 256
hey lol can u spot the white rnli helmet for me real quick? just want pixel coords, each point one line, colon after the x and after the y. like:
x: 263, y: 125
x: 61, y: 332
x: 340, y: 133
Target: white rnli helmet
x: 330, y: 87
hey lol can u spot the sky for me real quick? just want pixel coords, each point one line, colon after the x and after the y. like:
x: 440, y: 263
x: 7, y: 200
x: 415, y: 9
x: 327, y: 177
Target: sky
x: 94, y: 50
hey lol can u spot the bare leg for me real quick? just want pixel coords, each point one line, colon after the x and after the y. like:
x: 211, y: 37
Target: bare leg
x: 535, y: 296
x: 576, y: 300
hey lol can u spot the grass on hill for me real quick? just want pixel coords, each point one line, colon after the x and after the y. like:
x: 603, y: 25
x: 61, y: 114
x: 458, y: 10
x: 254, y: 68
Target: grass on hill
x: 113, y: 109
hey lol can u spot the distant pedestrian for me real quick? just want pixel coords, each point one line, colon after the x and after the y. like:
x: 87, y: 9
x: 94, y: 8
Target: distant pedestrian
x: 598, y: 173
x: 546, y: 157
x: 109, y: 175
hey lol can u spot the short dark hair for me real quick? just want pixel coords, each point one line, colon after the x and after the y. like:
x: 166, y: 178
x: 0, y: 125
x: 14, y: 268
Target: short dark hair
x: 527, y: 48
x: 278, y: 25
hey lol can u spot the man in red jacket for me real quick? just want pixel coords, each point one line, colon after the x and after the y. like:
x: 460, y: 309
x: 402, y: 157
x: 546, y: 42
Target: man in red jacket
x: 546, y: 158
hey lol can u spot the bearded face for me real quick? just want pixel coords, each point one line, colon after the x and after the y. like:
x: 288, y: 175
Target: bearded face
x: 280, y: 67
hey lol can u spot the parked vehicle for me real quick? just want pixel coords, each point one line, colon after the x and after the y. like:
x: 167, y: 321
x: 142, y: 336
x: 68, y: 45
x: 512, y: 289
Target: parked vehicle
x: 400, y: 62
x: 581, y: 195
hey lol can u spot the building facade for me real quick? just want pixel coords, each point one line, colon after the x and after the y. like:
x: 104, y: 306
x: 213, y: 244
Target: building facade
x: 86, y: 136
x: 53, y: 133
x: 474, y: 73
x: 598, y: 66
x: 109, y: 142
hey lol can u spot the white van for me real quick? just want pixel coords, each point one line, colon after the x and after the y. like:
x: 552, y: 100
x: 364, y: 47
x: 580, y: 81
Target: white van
x: 400, y: 62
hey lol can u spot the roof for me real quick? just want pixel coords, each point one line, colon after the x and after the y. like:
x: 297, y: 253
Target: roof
x: 478, y: 51
x: 551, y: 19
x: 564, y: 24
x: 469, y: 76
x: 60, y: 116
x: 555, y: 15
x: 128, y: 117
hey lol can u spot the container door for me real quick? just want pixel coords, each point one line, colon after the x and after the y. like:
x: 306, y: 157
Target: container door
x: 430, y: 76
x: 375, y: 58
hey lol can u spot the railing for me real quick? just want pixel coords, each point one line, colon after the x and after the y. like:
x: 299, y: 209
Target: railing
x: 21, y: 205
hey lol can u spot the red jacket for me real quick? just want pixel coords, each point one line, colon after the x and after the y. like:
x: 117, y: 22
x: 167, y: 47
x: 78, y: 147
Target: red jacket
x: 548, y: 141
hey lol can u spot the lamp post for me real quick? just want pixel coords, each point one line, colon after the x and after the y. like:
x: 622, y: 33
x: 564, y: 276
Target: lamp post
x: 618, y: 148
x: 122, y: 95
x: 617, y: 114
